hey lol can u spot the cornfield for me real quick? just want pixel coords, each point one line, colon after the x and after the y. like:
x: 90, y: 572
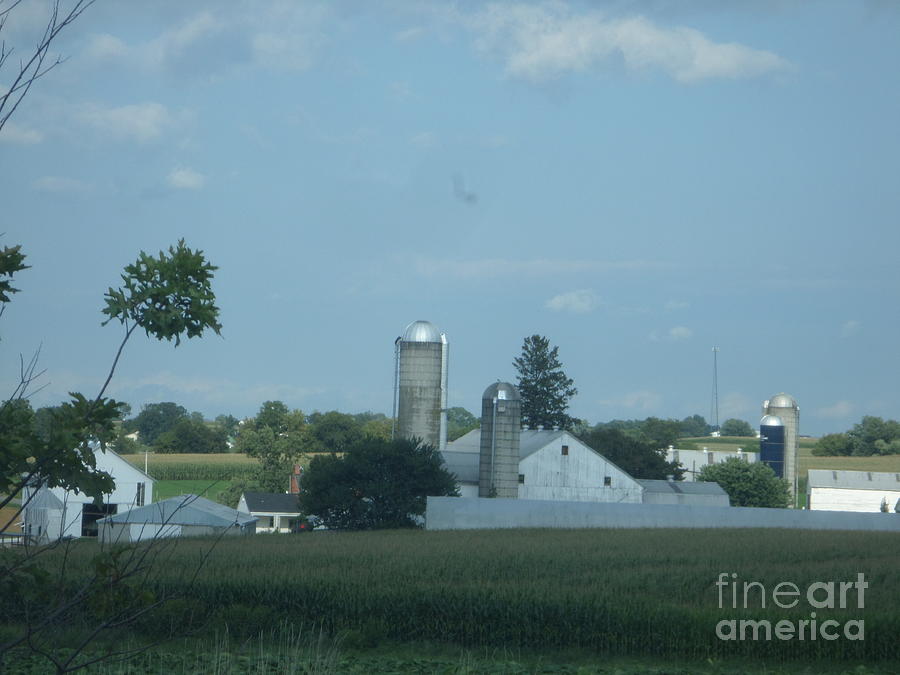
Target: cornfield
x: 210, y: 467
x: 615, y: 592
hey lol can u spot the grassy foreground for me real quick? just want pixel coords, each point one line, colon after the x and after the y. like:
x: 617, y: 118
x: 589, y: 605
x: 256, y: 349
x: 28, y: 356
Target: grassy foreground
x: 613, y: 593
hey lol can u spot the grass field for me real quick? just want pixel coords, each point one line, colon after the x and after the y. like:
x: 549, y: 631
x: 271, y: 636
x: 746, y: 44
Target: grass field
x: 614, y: 593
x: 163, y: 489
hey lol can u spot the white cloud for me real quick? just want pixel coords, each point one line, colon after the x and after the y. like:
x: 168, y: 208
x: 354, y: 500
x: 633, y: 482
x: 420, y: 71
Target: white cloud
x: 13, y: 133
x: 542, y: 42
x: 840, y: 410
x: 183, y: 178
x: 636, y: 400
x: 850, y: 328
x: 59, y: 184
x: 424, y: 140
x: 578, y: 302
x: 141, y: 122
x: 491, y: 268
x: 674, y: 305
x: 680, y: 333
x: 104, y: 46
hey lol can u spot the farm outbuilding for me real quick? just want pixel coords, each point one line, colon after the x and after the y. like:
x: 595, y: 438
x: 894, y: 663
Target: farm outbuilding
x: 862, y: 491
x: 697, y: 493
x: 52, y: 513
x: 183, y: 516
x: 274, y: 511
x: 694, y: 460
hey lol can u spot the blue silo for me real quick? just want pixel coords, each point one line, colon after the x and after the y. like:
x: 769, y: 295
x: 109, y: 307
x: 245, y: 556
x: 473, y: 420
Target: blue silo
x: 771, y: 443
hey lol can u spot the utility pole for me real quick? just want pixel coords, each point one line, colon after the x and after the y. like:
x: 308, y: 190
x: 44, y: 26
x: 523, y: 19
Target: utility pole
x: 714, y: 408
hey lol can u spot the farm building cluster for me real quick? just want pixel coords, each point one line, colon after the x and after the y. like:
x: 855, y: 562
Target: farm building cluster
x: 499, y: 460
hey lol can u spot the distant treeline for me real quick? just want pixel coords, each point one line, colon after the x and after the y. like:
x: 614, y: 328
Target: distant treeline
x: 871, y: 436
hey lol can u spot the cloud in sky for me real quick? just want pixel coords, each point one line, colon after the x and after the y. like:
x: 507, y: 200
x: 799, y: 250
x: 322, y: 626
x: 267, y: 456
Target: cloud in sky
x: 674, y: 305
x: 581, y: 301
x: 59, y: 185
x: 839, y: 410
x: 139, y: 122
x: 491, y: 268
x: 850, y: 328
x: 183, y: 178
x: 643, y: 400
x: 13, y: 133
x: 680, y: 333
x: 539, y: 42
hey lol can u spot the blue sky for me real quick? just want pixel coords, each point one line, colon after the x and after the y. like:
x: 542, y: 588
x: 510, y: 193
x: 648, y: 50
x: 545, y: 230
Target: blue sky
x: 636, y: 181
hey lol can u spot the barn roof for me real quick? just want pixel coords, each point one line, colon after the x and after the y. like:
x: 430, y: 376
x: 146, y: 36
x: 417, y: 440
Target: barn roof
x: 183, y: 510
x: 681, y: 487
x: 44, y: 499
x: 854, y: 480
x: 271, y: 502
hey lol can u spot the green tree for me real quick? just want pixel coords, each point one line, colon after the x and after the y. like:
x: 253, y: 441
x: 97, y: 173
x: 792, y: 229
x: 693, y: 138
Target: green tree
x: 662, y: 433
x: 544, y: 387
x: 334, y: 432
x: 273, y: 414
x: 638, y: 458
x: 156, y: 419
x: 832, y: 445
x: 866, y: 434
x: 168, y: 297
x: 379, y: 484
x: 229, y: 424
x: 748, y: 484
x: 694, y: 426
x: 460, y: 422
x: 735, y: 427
x: 190, y: 436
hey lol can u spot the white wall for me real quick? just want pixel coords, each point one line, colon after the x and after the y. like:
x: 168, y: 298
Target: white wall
x: 694, y: 460
x: 577, y: 476
x: 846, y: 499
x: 452, y: 513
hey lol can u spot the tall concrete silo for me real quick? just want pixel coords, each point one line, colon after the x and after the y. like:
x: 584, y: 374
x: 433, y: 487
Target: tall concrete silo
x: 786, y: 409
x: 501, y: 419
x: 771, y: 443
x: 420, y: 384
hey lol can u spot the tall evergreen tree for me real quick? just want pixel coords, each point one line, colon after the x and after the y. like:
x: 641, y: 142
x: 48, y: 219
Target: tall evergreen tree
x: 544, y: 387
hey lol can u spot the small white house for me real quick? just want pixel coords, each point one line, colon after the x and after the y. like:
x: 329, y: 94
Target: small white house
x: 862, y: 491
x: 694, y: 460
x: 274, y: 512
x: 52, y: 513
x: 553, y: 465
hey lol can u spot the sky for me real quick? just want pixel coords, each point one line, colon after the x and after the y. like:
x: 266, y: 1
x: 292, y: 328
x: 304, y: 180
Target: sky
x: 637, y: 181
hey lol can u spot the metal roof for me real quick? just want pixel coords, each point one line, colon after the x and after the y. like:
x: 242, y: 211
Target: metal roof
x: 183, y: 510
x: 463, y: 464
x: 771, y: 421
x: 421, y: 331
x: 854, y: 480
x: 44, y: 499
x: 271, y: 502
x: 682, y: 487
x: 503, y: 391
x: 782, y: 400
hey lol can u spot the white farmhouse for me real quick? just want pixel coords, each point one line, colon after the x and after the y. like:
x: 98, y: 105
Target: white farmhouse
x: 553, y: 465
x: 863, y: 491
x: 52, y: 513
x: 274, y: 512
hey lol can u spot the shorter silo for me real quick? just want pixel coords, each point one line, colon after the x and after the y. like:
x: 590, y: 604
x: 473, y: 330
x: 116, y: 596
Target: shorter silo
x: 784, y: 407
x: 771, y: 443
x: 501, y: 418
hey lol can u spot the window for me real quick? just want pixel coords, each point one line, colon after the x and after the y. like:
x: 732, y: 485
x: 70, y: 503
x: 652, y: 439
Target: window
x: 139, y: 500
x: 521, y: 479
x: 607, y: 481
x: 565, y: 449
x: 675, y: 455
x: 711, y: 459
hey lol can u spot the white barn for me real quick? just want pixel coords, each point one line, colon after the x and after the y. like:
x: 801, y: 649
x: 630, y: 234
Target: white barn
x: 553, y: 465
x: 694, y: 460
x: 862, y: 491
x: 52, y: 513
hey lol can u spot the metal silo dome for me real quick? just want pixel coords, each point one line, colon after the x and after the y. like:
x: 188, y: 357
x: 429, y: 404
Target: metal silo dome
x: 771, y: 421
x: 502, y: 391
x: 782, y: 400
x: 421, y: 331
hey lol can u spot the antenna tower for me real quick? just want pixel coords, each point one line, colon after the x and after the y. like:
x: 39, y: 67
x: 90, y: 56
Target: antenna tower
x: 714, y: 409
